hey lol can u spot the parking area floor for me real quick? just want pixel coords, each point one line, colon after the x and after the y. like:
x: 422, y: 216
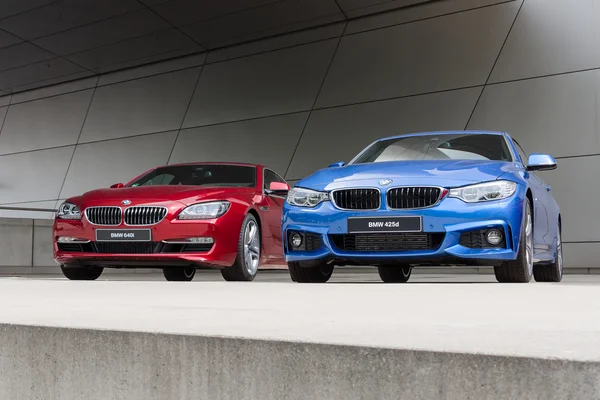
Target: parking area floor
x: 457, y: 313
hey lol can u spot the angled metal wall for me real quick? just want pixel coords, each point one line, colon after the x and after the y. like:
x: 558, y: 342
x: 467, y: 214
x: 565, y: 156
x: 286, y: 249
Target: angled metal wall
x: 300, y: 101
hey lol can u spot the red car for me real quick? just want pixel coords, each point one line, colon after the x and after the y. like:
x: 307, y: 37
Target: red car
x: 178, y: 218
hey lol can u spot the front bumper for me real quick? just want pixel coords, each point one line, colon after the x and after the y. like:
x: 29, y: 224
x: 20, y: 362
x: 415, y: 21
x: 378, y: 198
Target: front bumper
x: 222, y: 253
x: 449, y: 218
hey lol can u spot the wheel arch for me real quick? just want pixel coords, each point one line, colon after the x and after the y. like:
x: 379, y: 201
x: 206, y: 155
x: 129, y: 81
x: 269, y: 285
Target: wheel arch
x: 529, y: 195
x: 258, y: 221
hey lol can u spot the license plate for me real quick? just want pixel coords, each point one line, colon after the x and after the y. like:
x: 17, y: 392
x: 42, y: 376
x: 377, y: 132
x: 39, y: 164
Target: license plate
x: 384, y: 224
x: 123, y: 235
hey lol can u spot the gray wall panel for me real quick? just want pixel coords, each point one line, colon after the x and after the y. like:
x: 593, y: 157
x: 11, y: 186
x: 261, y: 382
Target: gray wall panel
x: 285, y: 29
x: 572, y: 184
x: 550, y: 37
x: 268, y: 141
x: 545, y: 114
x: 578, y: 255
x: 451, y: 52
x: 277, y: 42
x: 30, y: 214
x: 3, y: 111
x: 17, y: 251
x: 5, y: 100
x: 54, y: 90
x: 102, y: 164
x: 152, y: 69
x: 133, y: 49
x: 146, y: 105
x: 75, y: 79
x: 58, y: 121
x: 357, y: 8
x: 34, y: 175
x: 444, y: 46
x: 265, y: 20
x: 429, y: 10
x: 267, y: 84
x: 338, y: 134
x: 43, y: 243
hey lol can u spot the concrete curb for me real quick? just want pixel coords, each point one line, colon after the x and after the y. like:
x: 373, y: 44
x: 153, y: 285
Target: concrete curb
x: 59, y: 363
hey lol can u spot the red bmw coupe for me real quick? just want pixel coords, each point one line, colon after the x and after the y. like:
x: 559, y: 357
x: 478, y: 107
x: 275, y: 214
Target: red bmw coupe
x: 178, y: 218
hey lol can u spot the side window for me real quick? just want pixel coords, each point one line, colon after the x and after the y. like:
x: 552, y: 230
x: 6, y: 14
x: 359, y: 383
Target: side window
x: 522, y: 154
x: 271, y: 176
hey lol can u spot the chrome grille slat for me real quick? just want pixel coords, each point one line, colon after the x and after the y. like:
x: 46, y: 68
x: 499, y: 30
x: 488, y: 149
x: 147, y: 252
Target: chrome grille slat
x: 412, y: 197
x: 357, y: 199
x: 144, y: 215
x: 108, y: 216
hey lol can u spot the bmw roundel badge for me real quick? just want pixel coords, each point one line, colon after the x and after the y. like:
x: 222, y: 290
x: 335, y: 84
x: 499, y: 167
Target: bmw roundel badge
x: 126, y: 202
x: 385, y: 182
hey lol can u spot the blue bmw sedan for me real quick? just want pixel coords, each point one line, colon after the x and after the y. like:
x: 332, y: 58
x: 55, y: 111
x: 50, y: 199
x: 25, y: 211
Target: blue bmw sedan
x: 427, y: 199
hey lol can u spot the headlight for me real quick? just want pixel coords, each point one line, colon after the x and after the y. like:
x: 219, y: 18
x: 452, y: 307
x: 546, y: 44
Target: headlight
x: 210, y: 210
x: 68, y: 211
x: 306, y: 197
x: 488, y: 191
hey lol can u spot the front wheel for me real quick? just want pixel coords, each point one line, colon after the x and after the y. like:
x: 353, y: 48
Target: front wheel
x: 551, y: 272
x: 521, y: 269
x: 179, y: 274
x: 310, y: 272
x: 246, y: 263
x: 394, y: 274
x: 82, y: 273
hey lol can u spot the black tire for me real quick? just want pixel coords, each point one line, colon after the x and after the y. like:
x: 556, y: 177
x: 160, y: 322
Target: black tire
x: 244, y: 269
x: 82, y: 273
x: 551, y: 272
x: 521, y: 269
x: 179, y: 274
x: 394, y: 273
x: 310, y: 271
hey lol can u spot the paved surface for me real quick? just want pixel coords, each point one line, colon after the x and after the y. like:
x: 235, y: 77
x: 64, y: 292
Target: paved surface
x: 455, y: 313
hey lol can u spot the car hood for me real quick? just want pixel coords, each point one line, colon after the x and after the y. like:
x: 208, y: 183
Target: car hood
x: 155, y: 194
x: 444, y: 173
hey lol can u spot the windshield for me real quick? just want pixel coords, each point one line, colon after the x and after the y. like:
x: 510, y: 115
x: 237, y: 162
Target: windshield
x: 200, y: 175
x: 438, y: 147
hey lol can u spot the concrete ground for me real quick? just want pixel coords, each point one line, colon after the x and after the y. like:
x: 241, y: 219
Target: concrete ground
x: 447, y: 313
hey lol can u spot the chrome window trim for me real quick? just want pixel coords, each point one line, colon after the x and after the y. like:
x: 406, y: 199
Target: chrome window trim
x: 85, y: 212
x: 331, y: 198
x: 439, y: 199
x: 145, y: 206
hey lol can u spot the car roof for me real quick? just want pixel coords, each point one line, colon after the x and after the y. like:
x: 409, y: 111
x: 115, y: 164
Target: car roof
x: 212, y: 163
x: 443, y: 133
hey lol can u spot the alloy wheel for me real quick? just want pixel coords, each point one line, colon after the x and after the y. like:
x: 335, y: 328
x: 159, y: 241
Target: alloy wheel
x: 559, y: 253
x: 251, y: 247
x: 189, y: 271
x: 529, y: 240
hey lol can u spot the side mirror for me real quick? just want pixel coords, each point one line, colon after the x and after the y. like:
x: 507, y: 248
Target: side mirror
x: 337, y: 164
x: 541, y: 162
x: 278, y: 188
x: 116, y: 186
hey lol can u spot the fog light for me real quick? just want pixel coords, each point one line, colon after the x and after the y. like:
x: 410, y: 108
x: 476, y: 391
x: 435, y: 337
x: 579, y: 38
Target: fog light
x: 494, y: 237
x: 296, y: 239
x: 68, y: 239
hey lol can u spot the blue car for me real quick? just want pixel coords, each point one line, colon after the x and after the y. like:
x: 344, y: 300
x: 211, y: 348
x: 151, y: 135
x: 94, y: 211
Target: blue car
x: 427, y: 199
